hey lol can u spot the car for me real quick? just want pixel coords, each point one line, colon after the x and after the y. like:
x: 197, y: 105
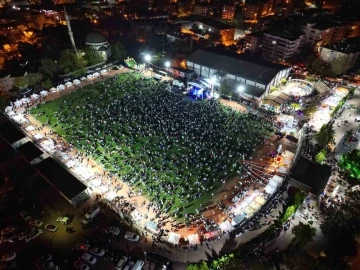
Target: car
x: 88, y: 258
x: 129, y: 265
x: 22, y: 235
x: 8, y: 230
x: 50, y: 228
x: 82, y: 247
x: 158, y: 259
x: 9, y: 257
x: 33, y: 235
x: 112, y: 230
x: 8, y: 238
x: 43, y: 259
x: 97, y: 251
x: 36, y: 223
x: 25, y: 216
x: 80, y: 265
x: 121, y: 263
x: 131, y: 236
x: 8, y: 265
x: 64, y: 220
x: 140, y: 264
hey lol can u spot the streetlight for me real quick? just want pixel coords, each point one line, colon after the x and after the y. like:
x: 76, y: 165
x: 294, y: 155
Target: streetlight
x: 148, y: 59
x: 167, y: 66
x: 212, y: 80
x: 240, y: 89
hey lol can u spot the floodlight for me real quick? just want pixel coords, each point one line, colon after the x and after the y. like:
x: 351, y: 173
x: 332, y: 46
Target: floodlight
x: 167, y: 64
x: 213, y: 80
x: 147, y: 57
x: 240, y: 88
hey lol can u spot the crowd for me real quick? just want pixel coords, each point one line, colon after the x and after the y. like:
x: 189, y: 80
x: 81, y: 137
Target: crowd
x: 172, y: 149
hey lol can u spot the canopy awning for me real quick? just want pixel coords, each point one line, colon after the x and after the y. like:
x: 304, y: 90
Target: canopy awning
x: 152, y: 227
x: 76, y: 82
x: 44, y: 93
x: 174, y: 238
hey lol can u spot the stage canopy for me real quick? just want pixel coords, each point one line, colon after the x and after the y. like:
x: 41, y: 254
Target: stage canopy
x: 174, y: 238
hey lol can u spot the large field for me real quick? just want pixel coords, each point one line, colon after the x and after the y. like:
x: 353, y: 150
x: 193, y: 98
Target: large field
x: 177, y: 152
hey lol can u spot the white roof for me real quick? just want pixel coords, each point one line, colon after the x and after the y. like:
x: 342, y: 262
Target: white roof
x: 44, y: 93
x: 174, y: 238
x: 76, y: 81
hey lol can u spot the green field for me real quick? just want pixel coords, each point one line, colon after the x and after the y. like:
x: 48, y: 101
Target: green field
x: 175, y: 151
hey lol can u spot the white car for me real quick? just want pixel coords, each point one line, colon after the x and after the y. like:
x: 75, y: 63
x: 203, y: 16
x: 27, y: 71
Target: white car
x: 131, y: 236
x: 36, y: 223
x: 33, y: 235
x: 50, y: 228
x: 129, y: 265
x: 88, y: 258
x: 8, y: 230
x: 97, y: 251
x: 80, y: 265
x: 64, y: 220
x: 112, y: 230
x: 25, y: 215
x: 9, y: 257
x: 121, y: 263
x: 82, y: 247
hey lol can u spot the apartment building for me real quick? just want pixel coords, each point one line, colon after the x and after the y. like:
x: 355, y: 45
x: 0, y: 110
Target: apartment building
x: 281, y: 45
x: 227, y: 32
x: 204, y: 9
x: 254, y: 9
x: 228, y: 12
x: 253, y: 42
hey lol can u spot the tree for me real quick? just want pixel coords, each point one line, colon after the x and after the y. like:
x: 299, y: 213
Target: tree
x: 47, y: 84
x: 69, y: 61
x: 321, y: 67
x: 20, y: 83
x: 225, y: 89
x: 215, y: 37
x: 119, y: 51
x: 321, y: 156
x: 304, y: 234
x: 49, y: 67
x: 299, y: 260
x: 325, y: 135
x: 350, y: 163
x: 91, y: 57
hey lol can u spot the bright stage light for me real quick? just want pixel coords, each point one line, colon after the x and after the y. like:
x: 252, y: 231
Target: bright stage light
x: 147, y: 57
x: 167, y: 64
x: 240, y: 88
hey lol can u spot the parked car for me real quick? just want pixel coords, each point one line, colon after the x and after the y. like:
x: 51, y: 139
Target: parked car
x: 33, y: 235
x: 112, y: 230
x: 8, y: 238
x: 80, y: 265
x: 97, y: 251
x: 50, y: 228
x: 121, y: 263
x: 8, y: 230
x: 25, y: 216
x: 88, y: 258
x: 23, y: 234
x: 129, y: 265
x: 82, y: 247
x: 131, y: 236
x: 9, y: 257
x: 47, y: 266
x: 64, y: 220
x: 43, y: 259
x: 36, y: 223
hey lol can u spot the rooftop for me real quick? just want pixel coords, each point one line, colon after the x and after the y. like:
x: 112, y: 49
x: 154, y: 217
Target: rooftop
x: 285, y: 34
x: 215, y: 24
x: 351, y: 45
x: 29, y: 151
x: 247, y: 67
x: 10, y: 133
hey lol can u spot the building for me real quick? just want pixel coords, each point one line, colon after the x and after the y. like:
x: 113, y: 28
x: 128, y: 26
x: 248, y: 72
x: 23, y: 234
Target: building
x: 340, y: 56
x: 227, y: 32
x: 204, y: 9
x: 254, y: 9
x: 228, y: 12
x: 7, y: 80
x: 256, y: 76
x: 281, y: 45
x: 99, y: 44
x: 253, y: 42
x: 282, y: 10
x: 330, y: 31
x: 177, y: 36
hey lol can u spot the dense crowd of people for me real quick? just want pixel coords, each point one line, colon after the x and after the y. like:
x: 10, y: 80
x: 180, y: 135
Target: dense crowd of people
x: 174, y: 149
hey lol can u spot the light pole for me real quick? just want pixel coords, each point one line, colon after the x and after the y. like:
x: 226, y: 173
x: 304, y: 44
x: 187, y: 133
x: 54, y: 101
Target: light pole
x: 148, y: 59
x: 167, y: 66
x: 212, y: 80
x: 240, y: 89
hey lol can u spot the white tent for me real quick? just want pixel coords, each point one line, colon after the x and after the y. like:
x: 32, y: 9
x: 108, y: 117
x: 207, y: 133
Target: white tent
x: 38, y: 136
x: 104, y: 71
x: 53, y: 90
x: 90, y: 76
x: 24, y: 100
x: 83, y: 79
x: 95, y: 182
x: 270, y: 189
x: 60, y: 87
x: 96, y: 74
x: 174, y: 238
x: 34, y: 96
x: 17, y: 103
x: 30, y: 128
x: 70, y: 164
x: 10, y: 113
x: 68, y: 84
x: 76, y: 82
x: 193, y: 239
x: 8, y: 108
x: 20, y: 119
x: 44, y: 93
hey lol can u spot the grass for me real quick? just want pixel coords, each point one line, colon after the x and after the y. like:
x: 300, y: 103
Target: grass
x: 120, y: 151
